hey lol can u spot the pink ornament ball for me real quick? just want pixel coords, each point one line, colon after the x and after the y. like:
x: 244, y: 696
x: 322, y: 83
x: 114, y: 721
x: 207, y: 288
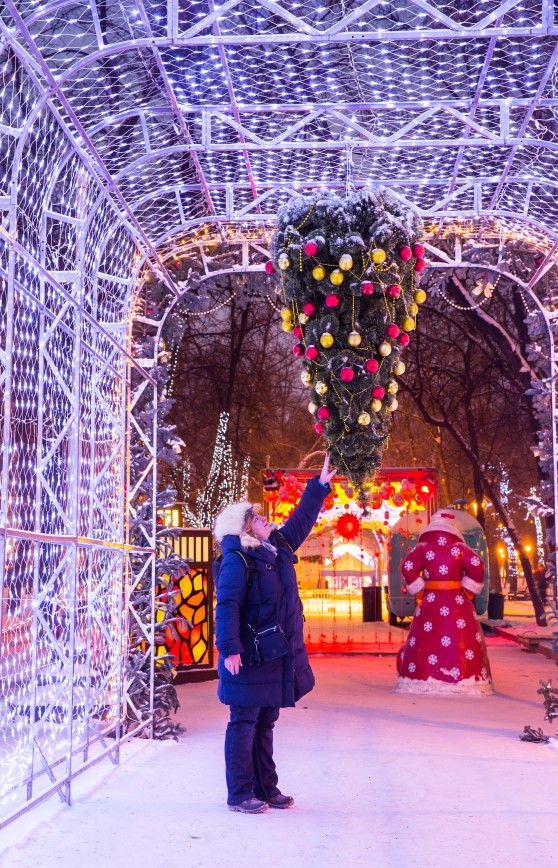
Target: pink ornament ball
x: 332, y: 300
x: 269, y: 267
x: 309, y: 308
x: 392, y: 330
x: 367, y: 288
x: 394, y: 291
x: 312, y: 353
x: 319, y: 428
x: 310, y: 248
x: 405, y: 253
x: 323, y: 413
x: 404, y: 339
x: 298, y: 350
x: 371, y: 366
x: 347, y: 374
x: 420, y: 265
x: 418, y: 251
x: 378, y: 392
x: 297, y: 332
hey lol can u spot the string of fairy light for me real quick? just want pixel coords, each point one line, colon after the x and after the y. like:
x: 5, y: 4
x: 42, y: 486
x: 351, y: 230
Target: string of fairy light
x: 121, y: 158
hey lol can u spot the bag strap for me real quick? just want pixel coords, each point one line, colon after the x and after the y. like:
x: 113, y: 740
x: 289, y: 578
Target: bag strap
x: 251, y: 570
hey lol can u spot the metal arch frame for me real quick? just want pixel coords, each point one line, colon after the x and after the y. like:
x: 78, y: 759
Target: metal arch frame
x: 121, y: 214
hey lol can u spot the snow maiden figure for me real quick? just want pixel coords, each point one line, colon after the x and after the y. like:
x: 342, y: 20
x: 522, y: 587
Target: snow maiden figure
x: 445, y: 651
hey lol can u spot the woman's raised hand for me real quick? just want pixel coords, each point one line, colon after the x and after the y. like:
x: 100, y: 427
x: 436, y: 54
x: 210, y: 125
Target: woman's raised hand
x: 327, y: 475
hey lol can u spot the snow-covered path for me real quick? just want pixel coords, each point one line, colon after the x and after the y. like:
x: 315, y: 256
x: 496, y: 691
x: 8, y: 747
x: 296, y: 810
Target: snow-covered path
x: 381, y: 780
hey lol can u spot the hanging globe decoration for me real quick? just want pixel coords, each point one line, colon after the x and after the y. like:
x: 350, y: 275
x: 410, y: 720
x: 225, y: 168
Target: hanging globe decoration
x: 353, y: 270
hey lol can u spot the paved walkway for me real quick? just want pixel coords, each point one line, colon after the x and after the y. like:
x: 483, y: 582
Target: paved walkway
x: 381, y: 780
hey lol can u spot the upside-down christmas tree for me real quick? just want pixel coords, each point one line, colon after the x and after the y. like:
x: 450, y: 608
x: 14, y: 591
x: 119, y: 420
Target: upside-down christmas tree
x: 349, y: 270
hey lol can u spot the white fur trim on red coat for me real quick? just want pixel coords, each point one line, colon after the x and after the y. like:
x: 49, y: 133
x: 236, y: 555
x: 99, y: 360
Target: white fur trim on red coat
x: 416, y: 586
x: 470, y: 585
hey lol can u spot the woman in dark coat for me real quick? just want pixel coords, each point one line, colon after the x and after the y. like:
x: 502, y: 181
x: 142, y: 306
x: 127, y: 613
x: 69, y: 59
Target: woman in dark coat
x: 257, y: 587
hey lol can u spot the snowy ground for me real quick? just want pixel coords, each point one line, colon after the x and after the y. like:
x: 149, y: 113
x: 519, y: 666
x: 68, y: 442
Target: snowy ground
x: 381, y: 780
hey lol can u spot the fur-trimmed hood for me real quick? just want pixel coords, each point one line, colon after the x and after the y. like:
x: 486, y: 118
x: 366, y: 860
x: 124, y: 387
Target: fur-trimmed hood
x: 230, y: 521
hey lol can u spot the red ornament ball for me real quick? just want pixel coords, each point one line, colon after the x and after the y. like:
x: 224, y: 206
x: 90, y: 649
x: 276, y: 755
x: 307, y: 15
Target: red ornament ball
x: 323, y: 413
x: 332, y: 300
x: 392, y: 330
x: 420, y: 265
x: 312, y: 353
x: 371, y: 366
x: 394, y: 291
x: 367, y: 288
x: 418, y: 251
x: 298, y: 350
x: 309, y: 308
x: 297, y: 332
x: 405, y: 253
x: 378, y: 392
x: 310, y: 248
x: 269, y: 267
x: 347, y: 374
x: 404, y: 339
x: 319, y: 428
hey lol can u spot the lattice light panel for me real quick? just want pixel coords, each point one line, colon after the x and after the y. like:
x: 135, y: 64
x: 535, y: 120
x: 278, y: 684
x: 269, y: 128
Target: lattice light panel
x: 124, y: 125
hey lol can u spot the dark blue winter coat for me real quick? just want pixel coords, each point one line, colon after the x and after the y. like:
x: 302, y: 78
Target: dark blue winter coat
x: 281, y: 682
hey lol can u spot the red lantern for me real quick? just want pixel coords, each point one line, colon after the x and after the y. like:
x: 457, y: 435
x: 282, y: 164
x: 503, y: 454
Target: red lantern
x: 347, y: 526
x: 426, y: 490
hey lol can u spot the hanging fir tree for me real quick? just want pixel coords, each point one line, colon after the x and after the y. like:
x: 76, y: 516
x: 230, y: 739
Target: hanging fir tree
x: 349, y: 269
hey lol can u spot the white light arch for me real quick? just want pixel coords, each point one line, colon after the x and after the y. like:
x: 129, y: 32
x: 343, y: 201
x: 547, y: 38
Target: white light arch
x: 223, y: 113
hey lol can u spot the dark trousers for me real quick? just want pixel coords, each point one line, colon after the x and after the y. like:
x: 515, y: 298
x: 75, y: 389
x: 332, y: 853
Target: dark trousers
x: 249, y: 753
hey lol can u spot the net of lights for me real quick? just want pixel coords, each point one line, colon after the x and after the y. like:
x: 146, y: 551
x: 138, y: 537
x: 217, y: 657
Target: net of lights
x: 124, y: 132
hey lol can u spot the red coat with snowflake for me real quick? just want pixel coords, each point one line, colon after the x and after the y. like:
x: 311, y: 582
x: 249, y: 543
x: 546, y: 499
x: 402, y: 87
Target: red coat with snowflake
x: 445, y: 650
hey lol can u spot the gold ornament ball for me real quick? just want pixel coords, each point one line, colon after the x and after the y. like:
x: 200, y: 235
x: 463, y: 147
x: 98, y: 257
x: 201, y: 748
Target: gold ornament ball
x: 413, y: 309
x: 306, y: 378
x: 419, y: 296
x: 326, y: 340
x: 378, y: 256
x: 376, y: 405
x: 364, y: 419
x: 321, y: 387
x: 392, y: 388
x: 336, y: 277
x: 284, y: 262
x: 318, y: 272
x: 286, y: 313
x: 287, y: 325
x: 408, y: 324
x: 399, y: 368
x: 302, y: 318
x: 354, y: 339
x: 393, y: 405
x: 384, y: 349
x: 346, y: 262
x: 312, y: 407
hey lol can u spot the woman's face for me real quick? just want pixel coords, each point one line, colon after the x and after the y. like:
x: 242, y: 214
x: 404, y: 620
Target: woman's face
x: 260, y: 527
